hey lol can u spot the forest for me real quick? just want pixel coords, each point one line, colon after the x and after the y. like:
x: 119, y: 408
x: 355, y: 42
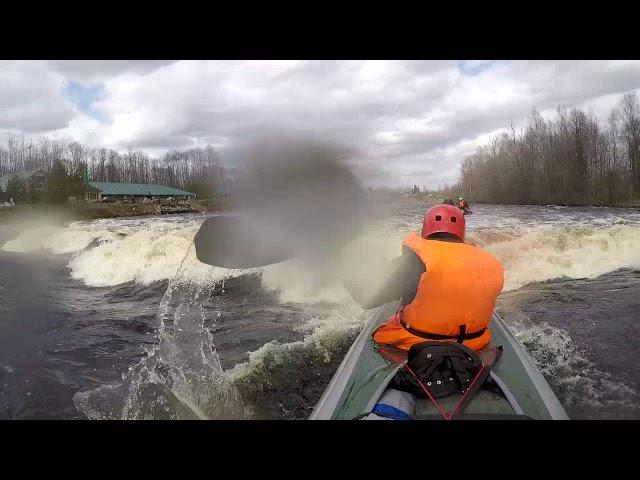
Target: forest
x: 68, y: 164
x: 569, y: 159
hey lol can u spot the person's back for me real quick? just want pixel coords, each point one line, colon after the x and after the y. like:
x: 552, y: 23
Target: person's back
x: 447, y: 288
x: 456, y: 295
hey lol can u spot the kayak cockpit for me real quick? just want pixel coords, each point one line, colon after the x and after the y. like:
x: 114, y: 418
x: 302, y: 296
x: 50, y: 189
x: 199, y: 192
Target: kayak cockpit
x: 491, y: 401
x: 514, y: 389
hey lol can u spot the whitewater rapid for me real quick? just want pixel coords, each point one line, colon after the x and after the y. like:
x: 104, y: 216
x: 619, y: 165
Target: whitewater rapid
x: 112, y: 252
x: 534, y: 244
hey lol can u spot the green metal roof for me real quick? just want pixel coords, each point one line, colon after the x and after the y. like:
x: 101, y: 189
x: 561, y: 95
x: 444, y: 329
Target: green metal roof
x: 4, y: 180
x: 109, y: 188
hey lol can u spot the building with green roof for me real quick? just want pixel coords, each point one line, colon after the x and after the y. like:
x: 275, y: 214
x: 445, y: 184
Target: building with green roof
x: 34, y: 180
x: 124, y: 191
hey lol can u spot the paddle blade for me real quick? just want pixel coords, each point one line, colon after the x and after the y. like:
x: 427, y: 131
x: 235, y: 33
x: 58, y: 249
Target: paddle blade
x: 234, y: 242
x: 294, y: 197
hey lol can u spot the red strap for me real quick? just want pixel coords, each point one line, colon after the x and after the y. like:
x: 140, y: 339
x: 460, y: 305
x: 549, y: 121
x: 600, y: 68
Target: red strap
x: 425, y: 390
x: 390, y: 354
x: 475, y: 379
x: 435, y: 403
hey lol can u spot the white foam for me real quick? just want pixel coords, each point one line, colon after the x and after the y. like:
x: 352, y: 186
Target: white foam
x: 149, y: 249
x: 139, y: 250
x: 144, y: 257
x: 578, y: 383
x: 546, y: 253
x: 299, y: 282
x: 59, y: 240
x: 313, y: 281
x: 322, y: 334
x: 31, y: 240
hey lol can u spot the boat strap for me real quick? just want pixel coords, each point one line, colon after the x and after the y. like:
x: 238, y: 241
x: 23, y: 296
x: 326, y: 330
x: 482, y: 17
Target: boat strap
x: 390, y: 354
x: 468, y: 394
x: 474, y: 387
x: 461, y: 337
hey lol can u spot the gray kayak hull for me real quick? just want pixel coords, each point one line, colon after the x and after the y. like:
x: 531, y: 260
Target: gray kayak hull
x: 363, y: 376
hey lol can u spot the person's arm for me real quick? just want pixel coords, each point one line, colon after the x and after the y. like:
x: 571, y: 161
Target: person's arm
x: 401, y: 280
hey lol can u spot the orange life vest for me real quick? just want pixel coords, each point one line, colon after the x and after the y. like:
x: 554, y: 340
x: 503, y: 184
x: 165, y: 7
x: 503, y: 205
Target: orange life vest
x: 456, y: 294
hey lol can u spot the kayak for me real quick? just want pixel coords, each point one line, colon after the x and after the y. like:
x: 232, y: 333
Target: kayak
x: 515, y: 388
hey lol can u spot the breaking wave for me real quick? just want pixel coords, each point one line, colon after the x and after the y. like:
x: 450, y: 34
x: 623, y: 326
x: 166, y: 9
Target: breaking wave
x: 266, y: 382
x: 322, y: 333
x: 113, y: 252
x: 546, y: 253
x: 584, y: 390
x: 55, y: 239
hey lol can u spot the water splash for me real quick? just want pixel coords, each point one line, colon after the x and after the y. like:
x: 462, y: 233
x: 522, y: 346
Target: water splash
x: 585, y: 391
x: 266, y: 379
x: 181, y: 377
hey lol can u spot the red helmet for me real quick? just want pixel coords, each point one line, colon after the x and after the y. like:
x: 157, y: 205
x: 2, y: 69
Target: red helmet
x: 443, y: 218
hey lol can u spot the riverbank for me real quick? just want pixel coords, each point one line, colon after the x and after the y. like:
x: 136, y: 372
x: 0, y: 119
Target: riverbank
x: 439, y: 197
x: 624, y: 205
x: 60, y: 214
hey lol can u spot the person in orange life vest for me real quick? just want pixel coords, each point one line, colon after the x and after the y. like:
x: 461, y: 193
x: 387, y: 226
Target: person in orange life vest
x: 447, y: 288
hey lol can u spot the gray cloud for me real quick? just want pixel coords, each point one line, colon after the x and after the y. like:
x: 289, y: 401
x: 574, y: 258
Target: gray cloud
x: 31, y: 100
x: 404, y: 120
x: 96, y: 70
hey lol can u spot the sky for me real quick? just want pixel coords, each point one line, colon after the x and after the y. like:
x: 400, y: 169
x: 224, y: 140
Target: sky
x: 405, y: 122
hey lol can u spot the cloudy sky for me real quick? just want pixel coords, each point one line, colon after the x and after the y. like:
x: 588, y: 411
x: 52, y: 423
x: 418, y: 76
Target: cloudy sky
x: 410, y: 122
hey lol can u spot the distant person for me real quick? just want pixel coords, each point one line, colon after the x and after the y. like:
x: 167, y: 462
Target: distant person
x: 447, y: 288
x: 11, y: 202
x: 463, y: 205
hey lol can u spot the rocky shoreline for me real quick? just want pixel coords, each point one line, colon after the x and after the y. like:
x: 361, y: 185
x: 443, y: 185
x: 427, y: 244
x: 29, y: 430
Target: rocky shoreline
x: 92, y: 211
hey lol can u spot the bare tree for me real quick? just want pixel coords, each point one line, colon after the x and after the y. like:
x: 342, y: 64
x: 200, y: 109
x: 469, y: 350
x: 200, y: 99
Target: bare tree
x: 569, y: 159
x: 630, y: 117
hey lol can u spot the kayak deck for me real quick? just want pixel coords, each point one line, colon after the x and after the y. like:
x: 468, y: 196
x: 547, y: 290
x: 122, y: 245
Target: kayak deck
x: 515, y: 388
x: 486, y: 401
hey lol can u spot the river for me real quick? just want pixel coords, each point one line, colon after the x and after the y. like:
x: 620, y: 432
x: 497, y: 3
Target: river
x: 116, y: 318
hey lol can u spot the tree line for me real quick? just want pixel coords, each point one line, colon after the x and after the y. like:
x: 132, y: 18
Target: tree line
x: 66, y: 164
x: 570, y: 159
